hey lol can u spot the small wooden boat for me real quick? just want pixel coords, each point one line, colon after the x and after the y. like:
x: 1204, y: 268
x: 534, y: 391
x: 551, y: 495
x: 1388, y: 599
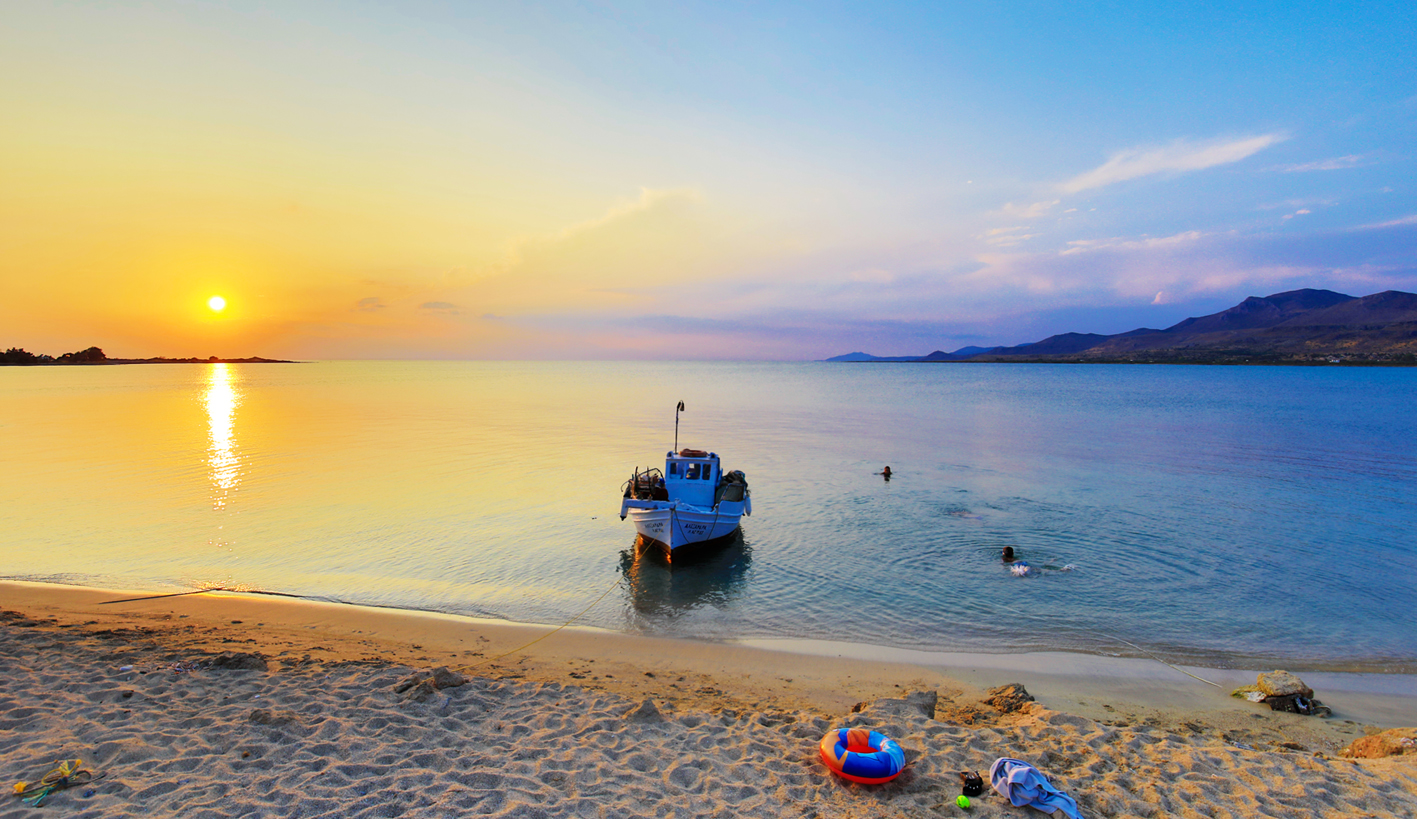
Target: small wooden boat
x: 690, y: 504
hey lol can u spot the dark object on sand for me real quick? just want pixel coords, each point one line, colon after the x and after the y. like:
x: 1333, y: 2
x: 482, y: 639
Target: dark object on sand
x: 238, y: 660
x: 1008, y: 698
x: 1296, y: 704
x: 271, y: 716
x: 421, y: 687
x: 65, y: 773
x: 1283, y: 691
x: 971, y: 783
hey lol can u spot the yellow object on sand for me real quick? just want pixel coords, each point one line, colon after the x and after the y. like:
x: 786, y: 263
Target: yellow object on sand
x: 65, y: 772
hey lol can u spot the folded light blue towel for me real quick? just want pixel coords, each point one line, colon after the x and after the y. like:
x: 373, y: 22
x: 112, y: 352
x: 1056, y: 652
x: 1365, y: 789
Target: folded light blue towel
x: 1024, y: 784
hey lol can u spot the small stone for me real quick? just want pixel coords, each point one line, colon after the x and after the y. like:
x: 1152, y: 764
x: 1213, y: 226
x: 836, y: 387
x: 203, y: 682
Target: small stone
x: 445, y: 678
x: 1392, y: 742
x: 646, y: 711
x: 267, y: 716
x: 423, y: 691
x: 407, y: 683
x: 239, y: 660
x: 1008, y: 698
x: 1282, y: 684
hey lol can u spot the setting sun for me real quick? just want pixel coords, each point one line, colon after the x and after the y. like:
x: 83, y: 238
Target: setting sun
x: 217, y: 303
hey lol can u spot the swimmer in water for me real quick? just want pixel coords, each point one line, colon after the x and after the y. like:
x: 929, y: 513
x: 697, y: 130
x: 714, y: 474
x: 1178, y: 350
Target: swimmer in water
x: 886, y: 473
x: 1008, y: 555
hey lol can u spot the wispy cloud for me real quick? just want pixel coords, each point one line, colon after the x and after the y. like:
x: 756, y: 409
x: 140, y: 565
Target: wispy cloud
x: 1178, y: 157
x: 1406, y: 220
x: 1008, y: 236
x: 1296, y: 203
x: 1010, y: 241
x: 1032, y: 211
x: 438, y: 306
x: 662, y: 234
x: 1337, y: 163
x: 370, y: 305
x: 1143, y: 243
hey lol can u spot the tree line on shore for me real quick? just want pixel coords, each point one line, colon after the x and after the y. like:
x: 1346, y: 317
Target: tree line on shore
x: 19, y: 355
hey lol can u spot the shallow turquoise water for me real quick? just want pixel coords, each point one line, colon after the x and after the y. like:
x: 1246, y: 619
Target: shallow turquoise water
x: 1217, y: 515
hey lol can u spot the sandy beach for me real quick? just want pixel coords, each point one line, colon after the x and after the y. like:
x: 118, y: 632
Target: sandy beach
x: 337, y: 712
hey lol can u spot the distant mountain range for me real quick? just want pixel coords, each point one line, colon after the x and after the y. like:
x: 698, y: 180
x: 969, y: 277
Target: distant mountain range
x: 1297, y: 327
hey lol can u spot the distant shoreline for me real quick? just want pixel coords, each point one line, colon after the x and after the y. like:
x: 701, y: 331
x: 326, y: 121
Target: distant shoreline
x: 1184, y: 362
x: 107, y: 361
x: 1304, y: 327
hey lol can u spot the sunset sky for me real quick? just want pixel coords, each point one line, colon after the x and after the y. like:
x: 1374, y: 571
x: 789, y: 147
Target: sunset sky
x: 714, y: 180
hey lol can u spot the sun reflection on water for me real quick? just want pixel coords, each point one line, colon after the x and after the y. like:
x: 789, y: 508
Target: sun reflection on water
x: 222, y: 399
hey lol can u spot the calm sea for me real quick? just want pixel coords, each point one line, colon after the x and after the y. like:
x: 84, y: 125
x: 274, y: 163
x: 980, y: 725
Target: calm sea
x: 1216, y: 515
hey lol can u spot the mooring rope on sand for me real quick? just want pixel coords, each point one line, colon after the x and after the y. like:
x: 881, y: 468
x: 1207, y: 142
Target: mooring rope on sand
x: 578, y: 616
x: 218, y: 589
x: 612, y: 587
x: 157, y: 596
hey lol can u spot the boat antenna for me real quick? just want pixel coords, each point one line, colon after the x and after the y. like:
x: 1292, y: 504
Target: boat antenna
x: 677, y: 410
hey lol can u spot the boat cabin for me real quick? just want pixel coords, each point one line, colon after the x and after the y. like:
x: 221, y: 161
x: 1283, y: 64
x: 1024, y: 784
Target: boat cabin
x: 692, y: 475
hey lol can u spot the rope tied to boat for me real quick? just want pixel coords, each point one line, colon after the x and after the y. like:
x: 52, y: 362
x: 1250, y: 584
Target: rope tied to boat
x: 579, y: 615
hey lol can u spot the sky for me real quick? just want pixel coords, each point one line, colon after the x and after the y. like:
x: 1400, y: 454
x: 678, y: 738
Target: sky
x: 776, y: 181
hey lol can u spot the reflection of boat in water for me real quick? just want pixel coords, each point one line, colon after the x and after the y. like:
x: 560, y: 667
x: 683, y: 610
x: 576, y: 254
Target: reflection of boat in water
x: 689, y: 505
x: 708, y: 578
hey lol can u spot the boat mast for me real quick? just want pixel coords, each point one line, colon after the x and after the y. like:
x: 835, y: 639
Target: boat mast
x: 677, y: 410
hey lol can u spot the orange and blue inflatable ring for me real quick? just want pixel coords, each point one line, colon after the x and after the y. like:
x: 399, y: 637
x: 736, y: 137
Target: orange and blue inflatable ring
x: 868, y: 757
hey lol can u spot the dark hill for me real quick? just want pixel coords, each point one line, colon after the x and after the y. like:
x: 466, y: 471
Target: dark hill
x: 1255, y: 312
x: 854, y: 357
x: 1063, y: 344
x: 958, y: 355
x: 1297, y: 326
x: 1387, y: 307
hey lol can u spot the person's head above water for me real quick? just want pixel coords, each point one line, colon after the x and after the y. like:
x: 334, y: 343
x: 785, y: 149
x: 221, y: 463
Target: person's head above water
x: 1008, y: 554
x: 886, y: 471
